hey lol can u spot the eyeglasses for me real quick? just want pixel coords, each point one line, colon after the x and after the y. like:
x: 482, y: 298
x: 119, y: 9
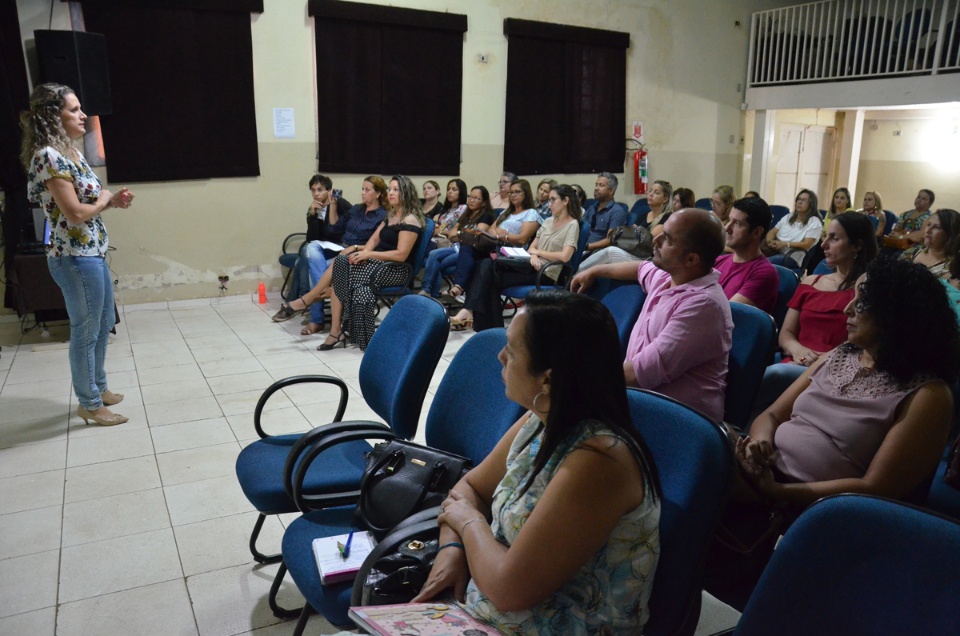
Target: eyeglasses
x: 502, y: 181
x: 473, y: 198
x: 515, y: 193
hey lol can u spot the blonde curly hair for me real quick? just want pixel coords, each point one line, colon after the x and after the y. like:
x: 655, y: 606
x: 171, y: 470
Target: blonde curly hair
x: 41, y: 122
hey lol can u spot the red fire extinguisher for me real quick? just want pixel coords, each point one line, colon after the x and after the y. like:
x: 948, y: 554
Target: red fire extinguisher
x: 640, y: 171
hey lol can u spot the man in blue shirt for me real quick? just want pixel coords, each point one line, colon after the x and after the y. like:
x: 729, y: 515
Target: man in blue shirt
x: 604, y: 215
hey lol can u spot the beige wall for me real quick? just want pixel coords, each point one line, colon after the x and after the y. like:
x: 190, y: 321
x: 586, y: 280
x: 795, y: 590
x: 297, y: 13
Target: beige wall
x: 926, y: 154
x: 686, y: 61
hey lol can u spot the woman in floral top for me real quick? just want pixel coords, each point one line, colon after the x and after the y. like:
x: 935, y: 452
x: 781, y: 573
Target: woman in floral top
x: 60, y: 180
x: 557, y: 530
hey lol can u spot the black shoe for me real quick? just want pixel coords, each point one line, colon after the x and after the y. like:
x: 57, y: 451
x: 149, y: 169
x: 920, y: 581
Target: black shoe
x: 340, y: 338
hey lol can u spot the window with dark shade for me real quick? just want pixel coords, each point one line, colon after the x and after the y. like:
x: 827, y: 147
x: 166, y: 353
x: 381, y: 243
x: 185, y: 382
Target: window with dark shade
x: 566, y: 98
x: 181, y: 74
x: 375, y: 64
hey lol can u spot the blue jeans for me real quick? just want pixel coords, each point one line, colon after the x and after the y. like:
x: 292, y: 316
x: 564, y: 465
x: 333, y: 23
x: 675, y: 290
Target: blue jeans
x: 88, y: 294
x: 437, y: 262
x: 317, y: 264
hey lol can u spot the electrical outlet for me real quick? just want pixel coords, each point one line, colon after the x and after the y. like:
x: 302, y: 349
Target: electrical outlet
x: 483, y: 58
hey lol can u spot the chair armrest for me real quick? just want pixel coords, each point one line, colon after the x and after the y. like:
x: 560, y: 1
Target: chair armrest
x: 297, y: 464
x: 300, y: 379
x: 375, y: 278
x: 285, y: 248
x: 565, y: 270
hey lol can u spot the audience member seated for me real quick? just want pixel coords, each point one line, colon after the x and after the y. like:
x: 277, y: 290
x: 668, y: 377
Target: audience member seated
x: 311, y: 262
x: 941, y: 236
x: 683, y: 198
x: 355, y: 227
x: 795, y: 233
x: 746, y: 275
x: 872, y: 416
x: 605, y: 214
x: 543, y: 197
x: 557, y: 530
x: 722, y: 201
x: 432, y: 206
x: 815, y: 322
x: 478, y: 216
x: 581, y: 195
x: 353, y: 305
x: 909, y: 226
x: 453, y: 207
x: 660, y: 199
x: 501, y: 198
x: 953, y: 282
x: 556, y: 242
x: 681, y: 341
x: 873, y: 207
x: 839, y: 204
x: 751, y: 194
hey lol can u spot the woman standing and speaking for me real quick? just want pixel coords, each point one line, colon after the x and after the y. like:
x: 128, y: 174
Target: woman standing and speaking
x: 60, y: 180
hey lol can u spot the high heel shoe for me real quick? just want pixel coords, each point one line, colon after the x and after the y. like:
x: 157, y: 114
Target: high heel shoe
x: 109, y: 420
x: 338, y: 339
x: 109, y: 398
x: 287, y: 311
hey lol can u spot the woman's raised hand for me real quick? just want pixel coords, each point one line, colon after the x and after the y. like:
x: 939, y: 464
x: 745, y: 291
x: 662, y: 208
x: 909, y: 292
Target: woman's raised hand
x: 121, y: 199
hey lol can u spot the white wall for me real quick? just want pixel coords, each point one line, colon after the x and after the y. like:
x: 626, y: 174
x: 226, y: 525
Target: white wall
x: 685, y: 68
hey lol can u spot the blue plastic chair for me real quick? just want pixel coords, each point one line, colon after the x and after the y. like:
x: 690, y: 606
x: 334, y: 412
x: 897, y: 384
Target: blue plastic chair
x: 789, y: 281
x: 695, y: 462
x: 778, y: 212
x: 891, y: 221
x: 639, y: 210
x: 390, y: 294
x: 569, y: 269
x: 704, y: 204
x: 288, y: 259
x: 469, y: 415
x: 855, y: 564
x: 625, y: 304
x: 754, y: 341
x: 396, y: 370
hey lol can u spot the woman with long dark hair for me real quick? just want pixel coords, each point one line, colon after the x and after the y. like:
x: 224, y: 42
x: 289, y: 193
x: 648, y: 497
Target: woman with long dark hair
x: 569, y: 498
x: 941, y: 238
x: 353, y: 305
x: 61, y: 181
x: 478, y: 216
x: 453, y: 206
x: 797, y: 232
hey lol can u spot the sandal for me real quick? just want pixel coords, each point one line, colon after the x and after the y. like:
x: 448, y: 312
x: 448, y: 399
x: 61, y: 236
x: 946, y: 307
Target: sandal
x: 312, y: 328
x: 461, y: 324
x: 287, y: 311
x: 454, y: 291
x: 337, y: 339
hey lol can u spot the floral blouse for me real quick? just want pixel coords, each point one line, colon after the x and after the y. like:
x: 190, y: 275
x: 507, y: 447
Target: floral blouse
x: 906, y: 226
x: 67, y: 239
x: 610, y: 593
x: 447, y: 220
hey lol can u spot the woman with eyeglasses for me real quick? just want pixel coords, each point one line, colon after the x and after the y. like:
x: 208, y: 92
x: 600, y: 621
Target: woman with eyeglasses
x: 795, y: 233
x: 556, y: 242
x: 478, y: 216
x: 941, y: 236
x: 722, y: 202
x: 500, y: 198
x: 515, y: 227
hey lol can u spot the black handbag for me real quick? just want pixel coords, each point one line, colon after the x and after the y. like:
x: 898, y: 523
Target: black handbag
x: 634, y: 239
x: 395, y: 571
x: 402, y: 478
x: 479, y: 240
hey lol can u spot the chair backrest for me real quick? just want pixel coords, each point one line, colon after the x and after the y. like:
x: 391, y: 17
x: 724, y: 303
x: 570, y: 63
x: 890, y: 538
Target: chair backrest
x: 822, y: 269
x: 778, y: 212
x: 754, y: 341
x: 625, y: 303
x: 703, y: 204
x: 640, y: 208
x: 470, y: 410
x: 789, y: 281
x: 420, y: 249
x: 695, y: 462
x: 400, y: 360
x: 855, y: 564
x: 891, y: 221
x: 581, y: 246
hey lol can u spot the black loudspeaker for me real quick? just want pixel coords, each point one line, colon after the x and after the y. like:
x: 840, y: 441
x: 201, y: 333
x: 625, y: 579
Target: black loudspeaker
x: 78, y: 60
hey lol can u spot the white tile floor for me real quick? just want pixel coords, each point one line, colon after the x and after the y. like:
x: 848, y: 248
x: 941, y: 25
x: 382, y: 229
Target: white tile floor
x: 142, y: 528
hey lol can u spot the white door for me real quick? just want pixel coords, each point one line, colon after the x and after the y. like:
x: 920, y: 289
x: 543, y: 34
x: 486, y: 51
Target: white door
x: 806, y: 161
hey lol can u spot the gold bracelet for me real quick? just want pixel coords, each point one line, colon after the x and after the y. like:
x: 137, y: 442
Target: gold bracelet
x: 463, y: 529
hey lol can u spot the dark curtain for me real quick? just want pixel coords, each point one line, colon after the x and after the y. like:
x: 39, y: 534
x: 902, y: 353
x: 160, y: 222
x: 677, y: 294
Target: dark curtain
x: 14, y: 98
x: 389, y: 85
x: 566, y: 98
x: 182, y: 83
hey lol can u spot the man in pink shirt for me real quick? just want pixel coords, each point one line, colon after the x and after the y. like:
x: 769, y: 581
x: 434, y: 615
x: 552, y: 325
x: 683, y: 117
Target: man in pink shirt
x: 681, y: 341
x: 746, y: 275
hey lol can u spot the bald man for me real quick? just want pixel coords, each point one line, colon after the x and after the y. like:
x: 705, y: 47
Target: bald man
x: 681, y: 341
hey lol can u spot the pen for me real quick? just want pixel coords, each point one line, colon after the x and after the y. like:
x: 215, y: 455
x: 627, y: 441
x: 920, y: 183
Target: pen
x: 346, y: 549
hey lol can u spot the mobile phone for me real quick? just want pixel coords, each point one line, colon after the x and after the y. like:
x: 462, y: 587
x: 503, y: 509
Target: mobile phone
x: 337, y: 192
